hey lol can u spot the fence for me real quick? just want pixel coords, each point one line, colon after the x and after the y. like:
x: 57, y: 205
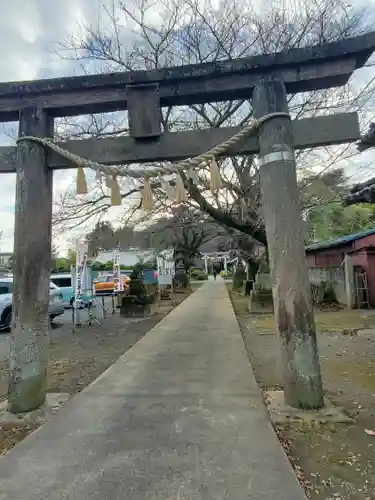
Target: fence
x: 333, y: 276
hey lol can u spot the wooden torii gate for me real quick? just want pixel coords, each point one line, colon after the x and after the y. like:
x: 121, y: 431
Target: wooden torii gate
x: 267, y: 79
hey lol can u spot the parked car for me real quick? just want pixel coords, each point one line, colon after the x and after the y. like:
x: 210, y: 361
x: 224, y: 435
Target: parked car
x: 105, y: 284
x: 55, y: 307
x: 64, y: 282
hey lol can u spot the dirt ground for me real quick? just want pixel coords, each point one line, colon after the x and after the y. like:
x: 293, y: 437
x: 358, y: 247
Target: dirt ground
x: 332, y: 461
x: 77, y: 359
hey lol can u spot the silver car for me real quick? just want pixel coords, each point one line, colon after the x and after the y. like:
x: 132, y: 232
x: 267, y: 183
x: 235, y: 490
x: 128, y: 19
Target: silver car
x: 55, y: 307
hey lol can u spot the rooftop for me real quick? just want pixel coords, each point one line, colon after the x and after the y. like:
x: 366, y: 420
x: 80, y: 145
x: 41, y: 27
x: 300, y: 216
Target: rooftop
x: 340, y: 241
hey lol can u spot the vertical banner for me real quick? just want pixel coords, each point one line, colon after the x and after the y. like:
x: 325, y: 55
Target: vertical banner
x: 166, y: 267
x: 119, y: 284
x: 81, y: 267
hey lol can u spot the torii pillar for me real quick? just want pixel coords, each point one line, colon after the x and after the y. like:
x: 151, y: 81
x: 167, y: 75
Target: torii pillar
x: 292, y: 299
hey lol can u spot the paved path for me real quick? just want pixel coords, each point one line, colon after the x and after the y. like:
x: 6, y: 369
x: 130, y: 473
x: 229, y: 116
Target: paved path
x: 179, y: 416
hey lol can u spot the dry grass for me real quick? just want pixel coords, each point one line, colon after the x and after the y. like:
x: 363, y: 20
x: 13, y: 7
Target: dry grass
x: 332, y: 461
x: 326, y: 321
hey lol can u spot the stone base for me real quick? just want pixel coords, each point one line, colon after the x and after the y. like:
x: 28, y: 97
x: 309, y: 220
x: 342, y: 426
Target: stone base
x: 247, y: 287
x: 280, y: 413
x: 132, y: 309
x: 137, y: 312
x: 260, y: 304
x: 54, y: 401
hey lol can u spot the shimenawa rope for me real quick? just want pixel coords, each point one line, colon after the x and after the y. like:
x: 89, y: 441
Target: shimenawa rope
x: 112, y: 172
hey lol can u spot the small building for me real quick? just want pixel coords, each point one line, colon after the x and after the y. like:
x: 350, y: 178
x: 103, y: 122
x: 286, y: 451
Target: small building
x: 348, y: 264
x: 130, y: 257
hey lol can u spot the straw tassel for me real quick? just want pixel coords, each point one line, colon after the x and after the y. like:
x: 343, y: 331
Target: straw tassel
x: 115, y: 192
x: 147, y: 199
x: 81, y: 181
x: 215, y: 176
x: 180, y: 192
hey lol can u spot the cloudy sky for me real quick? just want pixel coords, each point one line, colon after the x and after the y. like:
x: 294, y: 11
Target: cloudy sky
x: 29, y: 31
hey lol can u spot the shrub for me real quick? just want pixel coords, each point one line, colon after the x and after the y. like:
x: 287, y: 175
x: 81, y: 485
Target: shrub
x: 195, y: 271
x: 181, y: 279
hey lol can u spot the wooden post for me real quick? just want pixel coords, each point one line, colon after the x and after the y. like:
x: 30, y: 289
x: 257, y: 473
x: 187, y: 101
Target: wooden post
x: 31, y: 268
x: 291, y: 289
x: 206, y: 264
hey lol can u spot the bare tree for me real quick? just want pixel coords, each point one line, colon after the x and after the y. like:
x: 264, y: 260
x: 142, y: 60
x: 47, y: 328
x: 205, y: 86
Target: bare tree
x: 139, y: 34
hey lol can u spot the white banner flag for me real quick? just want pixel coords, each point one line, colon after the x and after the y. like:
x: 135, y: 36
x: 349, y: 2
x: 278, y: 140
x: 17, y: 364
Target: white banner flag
x: 81, y: 265
x: 166, y: 267
x: 117, y: 278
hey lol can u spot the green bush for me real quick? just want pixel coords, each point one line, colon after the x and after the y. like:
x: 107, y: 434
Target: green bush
x: 58, y: 270
x: 181, y: 279
x: 194, y: 271
x: 108, y: 266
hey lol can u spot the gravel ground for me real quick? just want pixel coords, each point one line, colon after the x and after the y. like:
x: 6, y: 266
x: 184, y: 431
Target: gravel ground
x: 77, y: 359
x: 333, y: 462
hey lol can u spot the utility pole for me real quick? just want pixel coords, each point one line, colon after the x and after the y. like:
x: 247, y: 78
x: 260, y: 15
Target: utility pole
x: 31, y: 267
x: 291, y: 289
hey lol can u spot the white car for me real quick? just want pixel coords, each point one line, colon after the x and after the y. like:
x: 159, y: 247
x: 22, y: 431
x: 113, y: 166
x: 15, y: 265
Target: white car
x: 55, y: 307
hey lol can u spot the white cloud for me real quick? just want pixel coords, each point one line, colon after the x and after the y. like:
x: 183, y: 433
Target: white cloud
x: 31, y: 30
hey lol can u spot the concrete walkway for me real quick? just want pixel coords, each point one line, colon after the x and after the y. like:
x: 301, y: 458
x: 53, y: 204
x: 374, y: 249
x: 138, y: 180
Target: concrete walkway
x: 178, y: 417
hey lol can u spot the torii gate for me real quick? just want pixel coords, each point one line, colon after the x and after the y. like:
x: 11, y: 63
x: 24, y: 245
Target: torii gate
x: 267, y: 79
x: 210, y: 255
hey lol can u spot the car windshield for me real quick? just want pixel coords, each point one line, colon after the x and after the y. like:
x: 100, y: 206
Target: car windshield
x: 62, y: 282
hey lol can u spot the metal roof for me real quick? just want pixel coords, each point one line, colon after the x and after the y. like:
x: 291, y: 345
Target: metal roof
x: 340, y: 241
